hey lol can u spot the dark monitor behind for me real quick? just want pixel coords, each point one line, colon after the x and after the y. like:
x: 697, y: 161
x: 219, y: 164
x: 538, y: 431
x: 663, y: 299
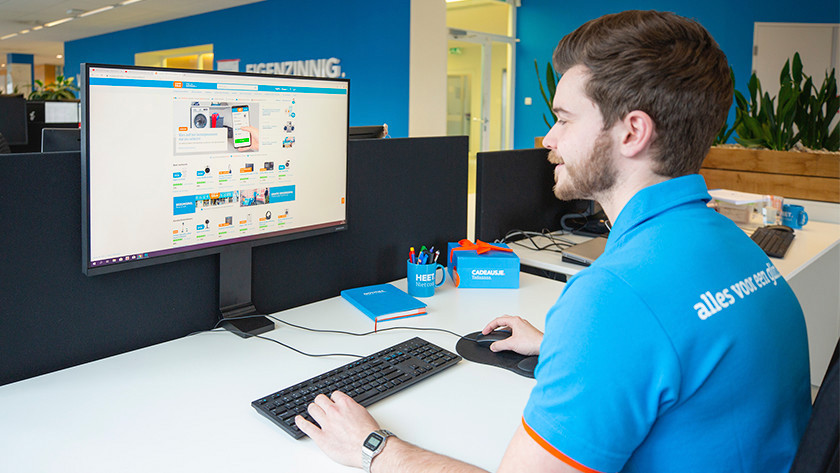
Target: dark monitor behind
x: 13, y: 119
x: 224, y: 162
x: 61, y: 139
x: 514, y: 192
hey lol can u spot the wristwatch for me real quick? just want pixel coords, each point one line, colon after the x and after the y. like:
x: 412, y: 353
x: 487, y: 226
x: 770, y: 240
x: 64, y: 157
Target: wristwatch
x: 373, y: 445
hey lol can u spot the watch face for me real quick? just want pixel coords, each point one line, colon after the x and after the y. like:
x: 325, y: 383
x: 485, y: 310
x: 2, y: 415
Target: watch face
x: 373, y: 441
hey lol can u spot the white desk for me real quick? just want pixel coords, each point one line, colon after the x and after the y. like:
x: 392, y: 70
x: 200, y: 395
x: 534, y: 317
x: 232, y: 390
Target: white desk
x: 185, y: 406
x: 811, y: 267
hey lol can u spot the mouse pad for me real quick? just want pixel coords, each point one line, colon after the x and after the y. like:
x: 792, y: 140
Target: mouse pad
x: 522, y: 365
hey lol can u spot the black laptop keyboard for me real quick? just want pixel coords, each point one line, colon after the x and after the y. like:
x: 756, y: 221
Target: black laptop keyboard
x: 774, y: 242
x: 367, y: 380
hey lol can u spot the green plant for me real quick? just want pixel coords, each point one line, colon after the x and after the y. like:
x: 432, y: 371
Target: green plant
x: 765, y: 123
x: 800, y: 113
x: 551, y: 85
x: 815, y: 113
x: 62, y: 88
x: 725, y: 131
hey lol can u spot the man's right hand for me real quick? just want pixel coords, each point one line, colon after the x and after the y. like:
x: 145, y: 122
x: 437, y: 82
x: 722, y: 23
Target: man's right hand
x: 524, y: 338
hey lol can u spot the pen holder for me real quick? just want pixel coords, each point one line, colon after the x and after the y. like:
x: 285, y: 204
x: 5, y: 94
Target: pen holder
x: 421, y: 278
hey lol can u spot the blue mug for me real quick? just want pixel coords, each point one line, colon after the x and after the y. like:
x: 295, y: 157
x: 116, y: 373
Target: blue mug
x: 421, y: 278
x: 794, y: 216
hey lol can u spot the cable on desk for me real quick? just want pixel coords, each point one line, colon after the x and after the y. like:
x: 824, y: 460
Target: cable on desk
x: 363, y: 334
x: 556, y: 244
x: 216, y: 329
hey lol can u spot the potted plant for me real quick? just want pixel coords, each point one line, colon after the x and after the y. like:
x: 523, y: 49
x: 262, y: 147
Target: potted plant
x: 62, y: 89
x: 786, y: 145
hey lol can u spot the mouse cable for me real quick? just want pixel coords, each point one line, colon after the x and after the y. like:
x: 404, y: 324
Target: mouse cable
x: 364, y: 334
x: 355, y: 334
x: 217, y: 329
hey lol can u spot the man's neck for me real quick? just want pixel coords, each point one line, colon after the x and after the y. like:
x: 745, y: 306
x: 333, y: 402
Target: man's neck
x: 614, y: 199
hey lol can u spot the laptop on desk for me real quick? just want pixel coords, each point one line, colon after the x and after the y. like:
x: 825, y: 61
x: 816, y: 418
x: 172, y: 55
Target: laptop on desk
x: 585, y: 253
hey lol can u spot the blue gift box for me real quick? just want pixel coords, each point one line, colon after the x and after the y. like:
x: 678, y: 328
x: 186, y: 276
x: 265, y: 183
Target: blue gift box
x: 482, y: 265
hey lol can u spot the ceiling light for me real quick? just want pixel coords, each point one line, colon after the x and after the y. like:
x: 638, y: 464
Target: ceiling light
x: 98, y: 10
x: 36, y: 28
x: 58, y: 22
x: 24, y: 31
x: 129, y: 2
x: 12, y: 35
x: 59, y: 56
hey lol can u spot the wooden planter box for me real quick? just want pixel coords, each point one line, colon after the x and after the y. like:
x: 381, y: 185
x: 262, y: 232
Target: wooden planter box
x: 792, y: 174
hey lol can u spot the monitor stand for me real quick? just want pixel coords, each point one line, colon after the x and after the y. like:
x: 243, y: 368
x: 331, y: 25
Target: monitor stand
x: 235, y: 293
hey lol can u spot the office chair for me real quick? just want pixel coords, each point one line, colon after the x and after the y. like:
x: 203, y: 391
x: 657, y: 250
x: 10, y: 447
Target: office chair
x: 4, y: 145
x: 818, y: 449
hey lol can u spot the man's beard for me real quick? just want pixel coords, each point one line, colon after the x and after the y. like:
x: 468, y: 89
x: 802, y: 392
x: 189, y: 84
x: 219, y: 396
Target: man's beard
x: 590, y: 177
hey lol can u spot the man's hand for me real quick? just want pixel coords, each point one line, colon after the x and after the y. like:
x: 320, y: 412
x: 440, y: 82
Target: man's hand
x: 344, y: 427
x: 524, y: 338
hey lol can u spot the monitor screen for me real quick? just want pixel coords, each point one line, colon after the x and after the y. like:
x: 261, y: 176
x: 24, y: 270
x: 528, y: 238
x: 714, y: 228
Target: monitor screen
x: 179, y: 163
x: 13, y: 119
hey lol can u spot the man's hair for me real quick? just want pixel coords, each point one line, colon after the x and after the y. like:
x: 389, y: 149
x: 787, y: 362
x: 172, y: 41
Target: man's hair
x: 665, y: 65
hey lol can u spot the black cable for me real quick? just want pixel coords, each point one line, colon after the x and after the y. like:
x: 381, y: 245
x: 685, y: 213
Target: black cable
x: 557, y: 245
x: 216, y: 329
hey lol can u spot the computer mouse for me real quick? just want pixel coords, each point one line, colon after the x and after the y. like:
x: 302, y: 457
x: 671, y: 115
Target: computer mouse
x: 780, y: 228
x: 475, y: 347
x: 491, y: 337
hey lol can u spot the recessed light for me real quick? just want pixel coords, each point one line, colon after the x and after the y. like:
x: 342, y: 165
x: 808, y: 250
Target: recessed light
x: 11, y: 35
x: 58, y: 22
x: 59, y: 56
x: 98, y: 10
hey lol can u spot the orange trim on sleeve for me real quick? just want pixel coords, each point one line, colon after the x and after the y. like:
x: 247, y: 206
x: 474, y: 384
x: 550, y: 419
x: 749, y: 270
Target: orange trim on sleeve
x: 556, y: 453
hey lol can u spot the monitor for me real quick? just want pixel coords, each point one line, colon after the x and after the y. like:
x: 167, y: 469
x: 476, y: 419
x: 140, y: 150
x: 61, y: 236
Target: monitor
x: 183, y: 163
x: 60, y: 139
x: 13, y: 119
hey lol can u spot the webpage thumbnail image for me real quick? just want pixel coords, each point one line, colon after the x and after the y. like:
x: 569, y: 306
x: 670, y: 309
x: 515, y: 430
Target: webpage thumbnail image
x: 215, y: 127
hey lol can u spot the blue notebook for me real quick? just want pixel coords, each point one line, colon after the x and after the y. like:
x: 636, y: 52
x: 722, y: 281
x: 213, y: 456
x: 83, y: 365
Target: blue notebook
x: 384, y: 302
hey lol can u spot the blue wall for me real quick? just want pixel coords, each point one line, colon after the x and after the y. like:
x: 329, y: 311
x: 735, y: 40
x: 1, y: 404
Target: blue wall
x: 371, y: 39
x: 542, y: 23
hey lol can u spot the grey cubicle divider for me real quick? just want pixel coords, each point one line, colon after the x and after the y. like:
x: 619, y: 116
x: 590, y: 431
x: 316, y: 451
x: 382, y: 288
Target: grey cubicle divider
x: 402, y: 192
x: 514, y: 192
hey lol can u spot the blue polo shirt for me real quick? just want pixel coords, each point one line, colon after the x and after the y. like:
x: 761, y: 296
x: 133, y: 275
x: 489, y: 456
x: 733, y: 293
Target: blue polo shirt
x: 681, y: 349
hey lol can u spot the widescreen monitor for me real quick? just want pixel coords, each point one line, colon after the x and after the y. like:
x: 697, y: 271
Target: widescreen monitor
x: 181, y: 163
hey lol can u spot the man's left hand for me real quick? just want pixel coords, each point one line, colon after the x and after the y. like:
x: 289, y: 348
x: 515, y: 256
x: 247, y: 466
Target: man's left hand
x: 345, y: 425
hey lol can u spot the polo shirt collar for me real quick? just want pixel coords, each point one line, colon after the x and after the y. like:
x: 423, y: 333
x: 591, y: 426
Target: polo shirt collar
x: 658, y: 198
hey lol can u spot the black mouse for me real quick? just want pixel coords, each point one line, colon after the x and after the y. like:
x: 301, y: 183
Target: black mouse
x: 494, y: 336
x: 475, y: 347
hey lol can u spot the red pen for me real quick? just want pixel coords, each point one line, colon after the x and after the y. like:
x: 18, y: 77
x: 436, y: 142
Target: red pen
x: 411, y: 255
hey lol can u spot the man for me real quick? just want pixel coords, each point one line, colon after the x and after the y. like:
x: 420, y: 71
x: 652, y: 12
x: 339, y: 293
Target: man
x: 680, y: 349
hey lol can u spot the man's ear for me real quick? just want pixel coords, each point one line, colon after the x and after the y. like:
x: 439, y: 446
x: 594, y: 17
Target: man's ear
x: 637, y: 131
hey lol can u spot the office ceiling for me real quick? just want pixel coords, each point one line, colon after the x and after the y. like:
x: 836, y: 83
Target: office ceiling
x: 46, y: 43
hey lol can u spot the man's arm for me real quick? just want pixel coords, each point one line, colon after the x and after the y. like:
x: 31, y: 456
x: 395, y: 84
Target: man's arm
x: 345, y: 424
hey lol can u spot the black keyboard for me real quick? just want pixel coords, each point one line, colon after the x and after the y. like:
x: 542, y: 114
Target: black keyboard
x: 774, y: 241
x: 367, y: 380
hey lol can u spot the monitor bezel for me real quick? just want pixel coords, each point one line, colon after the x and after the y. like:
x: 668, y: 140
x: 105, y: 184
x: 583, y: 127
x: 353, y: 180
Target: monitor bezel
x: 215, y: 247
